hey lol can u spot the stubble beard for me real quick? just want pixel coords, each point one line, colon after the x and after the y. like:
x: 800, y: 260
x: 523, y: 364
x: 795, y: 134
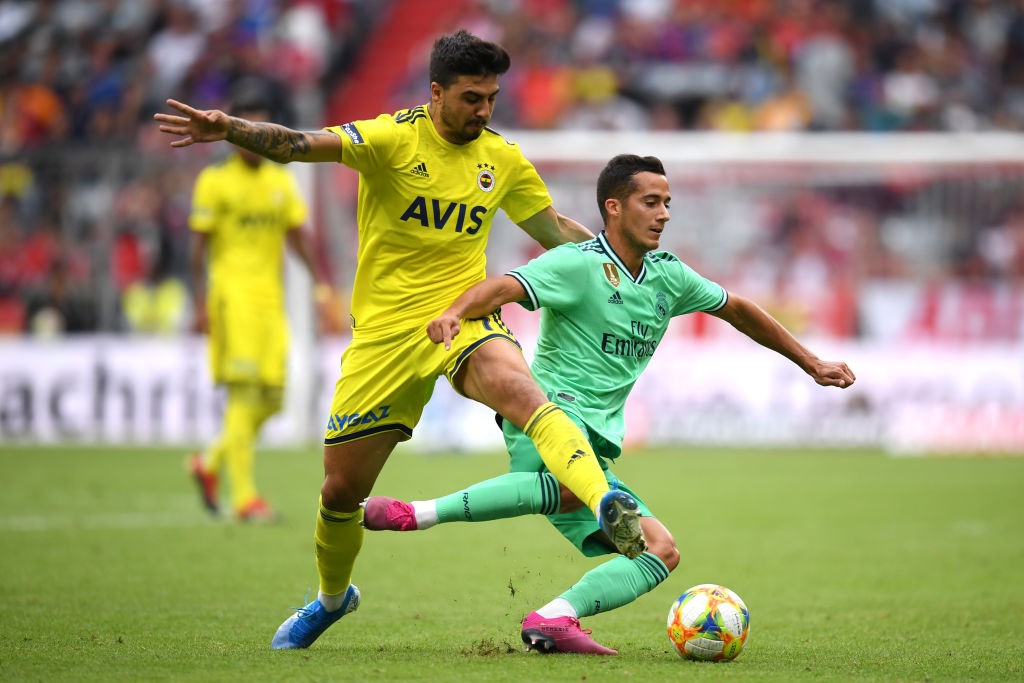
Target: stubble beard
x: 462, y: 133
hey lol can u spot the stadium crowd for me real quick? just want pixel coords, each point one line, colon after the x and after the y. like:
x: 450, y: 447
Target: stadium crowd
x: 93, y: 211
x: 742, y: 65
x: 92, y: 228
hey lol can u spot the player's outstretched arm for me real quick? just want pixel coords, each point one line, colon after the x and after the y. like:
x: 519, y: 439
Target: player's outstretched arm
x: 551, y: 228
x: 753, y: 321
x: 481, y: 299
x: 275, y: 142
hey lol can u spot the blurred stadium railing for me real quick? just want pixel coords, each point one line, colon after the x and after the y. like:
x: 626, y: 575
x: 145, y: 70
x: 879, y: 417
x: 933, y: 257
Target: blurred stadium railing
x: 903, y: 254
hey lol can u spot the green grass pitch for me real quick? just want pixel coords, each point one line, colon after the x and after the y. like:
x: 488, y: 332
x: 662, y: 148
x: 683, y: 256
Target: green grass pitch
x: 855, y: 567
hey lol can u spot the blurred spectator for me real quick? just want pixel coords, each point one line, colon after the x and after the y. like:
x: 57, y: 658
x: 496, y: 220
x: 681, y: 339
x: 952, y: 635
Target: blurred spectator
x: 596, y: 105
x: 40, y: 251
x: 788, y: 109
x: 11, y: 305
x: 10, y: 247
x: 910, y: 91
x: 157, y: 303
x: 34, y: 114
x: 730, y: 114
x: 60, y: 304
x: 823, y: 67
x: 171, y: 53
x: 544, y: 89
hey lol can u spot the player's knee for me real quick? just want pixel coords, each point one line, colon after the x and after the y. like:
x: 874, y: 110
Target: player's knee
x: 660, y: 542
x: 499, y: 378
x: 272, y: 400
x: 516, y: 397
x: 667, y: 552
x: 340, y: 495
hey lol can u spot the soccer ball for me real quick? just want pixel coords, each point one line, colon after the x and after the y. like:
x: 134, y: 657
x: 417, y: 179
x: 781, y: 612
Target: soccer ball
x: 708, y: 622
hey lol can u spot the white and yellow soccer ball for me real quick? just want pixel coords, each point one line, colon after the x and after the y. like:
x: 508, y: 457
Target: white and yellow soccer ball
x: 709, y: 623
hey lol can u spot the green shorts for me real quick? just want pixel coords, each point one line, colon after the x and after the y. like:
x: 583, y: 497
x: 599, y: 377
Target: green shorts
x: 579, y: 527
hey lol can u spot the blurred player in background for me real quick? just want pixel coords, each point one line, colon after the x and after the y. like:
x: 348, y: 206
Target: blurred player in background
x: 431, y: 179
x: 606, y: 304
x: 244, y: 211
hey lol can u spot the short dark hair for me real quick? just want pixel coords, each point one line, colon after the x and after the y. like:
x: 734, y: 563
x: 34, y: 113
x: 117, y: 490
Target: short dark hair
x: 463, y: 54
x: 250, y: 94
x: 616, y: 179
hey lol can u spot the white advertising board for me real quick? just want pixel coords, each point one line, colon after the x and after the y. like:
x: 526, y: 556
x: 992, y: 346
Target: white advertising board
x: 909, y: 398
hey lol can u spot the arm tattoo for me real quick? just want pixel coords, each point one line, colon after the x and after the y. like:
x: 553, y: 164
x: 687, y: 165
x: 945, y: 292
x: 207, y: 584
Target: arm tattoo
x: 275, y: 142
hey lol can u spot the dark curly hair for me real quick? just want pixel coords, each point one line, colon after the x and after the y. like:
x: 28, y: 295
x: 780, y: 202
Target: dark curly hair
x: 463, y: 54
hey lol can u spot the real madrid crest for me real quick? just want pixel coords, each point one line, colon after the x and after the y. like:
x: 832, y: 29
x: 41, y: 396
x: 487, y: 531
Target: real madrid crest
x: 661, y: 305
x: 485, y: 178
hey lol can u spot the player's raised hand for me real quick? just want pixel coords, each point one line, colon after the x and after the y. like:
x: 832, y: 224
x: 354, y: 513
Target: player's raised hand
x: 444, y: 328
x: 196, y: 125
x: 833, y: 374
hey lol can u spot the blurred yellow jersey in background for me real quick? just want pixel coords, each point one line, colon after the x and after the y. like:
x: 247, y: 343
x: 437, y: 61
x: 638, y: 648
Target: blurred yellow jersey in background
x: 246, y: 211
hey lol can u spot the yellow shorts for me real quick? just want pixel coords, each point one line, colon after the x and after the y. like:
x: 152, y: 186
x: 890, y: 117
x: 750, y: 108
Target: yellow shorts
x: 248, y: 340
x: 386, y: 382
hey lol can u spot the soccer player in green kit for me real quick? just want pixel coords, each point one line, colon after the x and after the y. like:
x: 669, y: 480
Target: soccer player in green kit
x: 606, y: 304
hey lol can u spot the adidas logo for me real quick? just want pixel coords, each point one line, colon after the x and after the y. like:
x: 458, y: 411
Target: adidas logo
x: 420, y: 169
x: 615, y: 298
x: 574, y: 457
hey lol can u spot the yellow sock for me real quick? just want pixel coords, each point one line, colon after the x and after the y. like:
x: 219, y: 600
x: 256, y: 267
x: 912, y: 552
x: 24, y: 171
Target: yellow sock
x: 269, y: 405
x: 217, y: 453
x: 339, y: 537
x: 239, y: 435
x: 567, y: 454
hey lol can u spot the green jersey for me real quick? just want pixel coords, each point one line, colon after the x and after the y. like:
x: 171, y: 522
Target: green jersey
x: 599, y: 326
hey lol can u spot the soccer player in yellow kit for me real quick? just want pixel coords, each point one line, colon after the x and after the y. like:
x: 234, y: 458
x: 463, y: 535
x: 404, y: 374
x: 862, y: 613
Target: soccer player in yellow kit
x: 244, y: 211
x: 430, y: 181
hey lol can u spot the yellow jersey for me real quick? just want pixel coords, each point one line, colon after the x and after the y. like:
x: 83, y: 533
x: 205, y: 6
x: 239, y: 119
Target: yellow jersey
x: 246, y: 211
x: 425, y: 211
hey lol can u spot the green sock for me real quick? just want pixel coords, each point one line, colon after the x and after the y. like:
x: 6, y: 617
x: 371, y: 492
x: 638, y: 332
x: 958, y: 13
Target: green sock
x: 615, y: 583
x: 508, y: 495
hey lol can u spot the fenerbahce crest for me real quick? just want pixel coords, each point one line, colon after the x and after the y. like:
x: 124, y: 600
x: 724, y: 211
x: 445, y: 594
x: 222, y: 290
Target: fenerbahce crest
x: 485, y: 178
